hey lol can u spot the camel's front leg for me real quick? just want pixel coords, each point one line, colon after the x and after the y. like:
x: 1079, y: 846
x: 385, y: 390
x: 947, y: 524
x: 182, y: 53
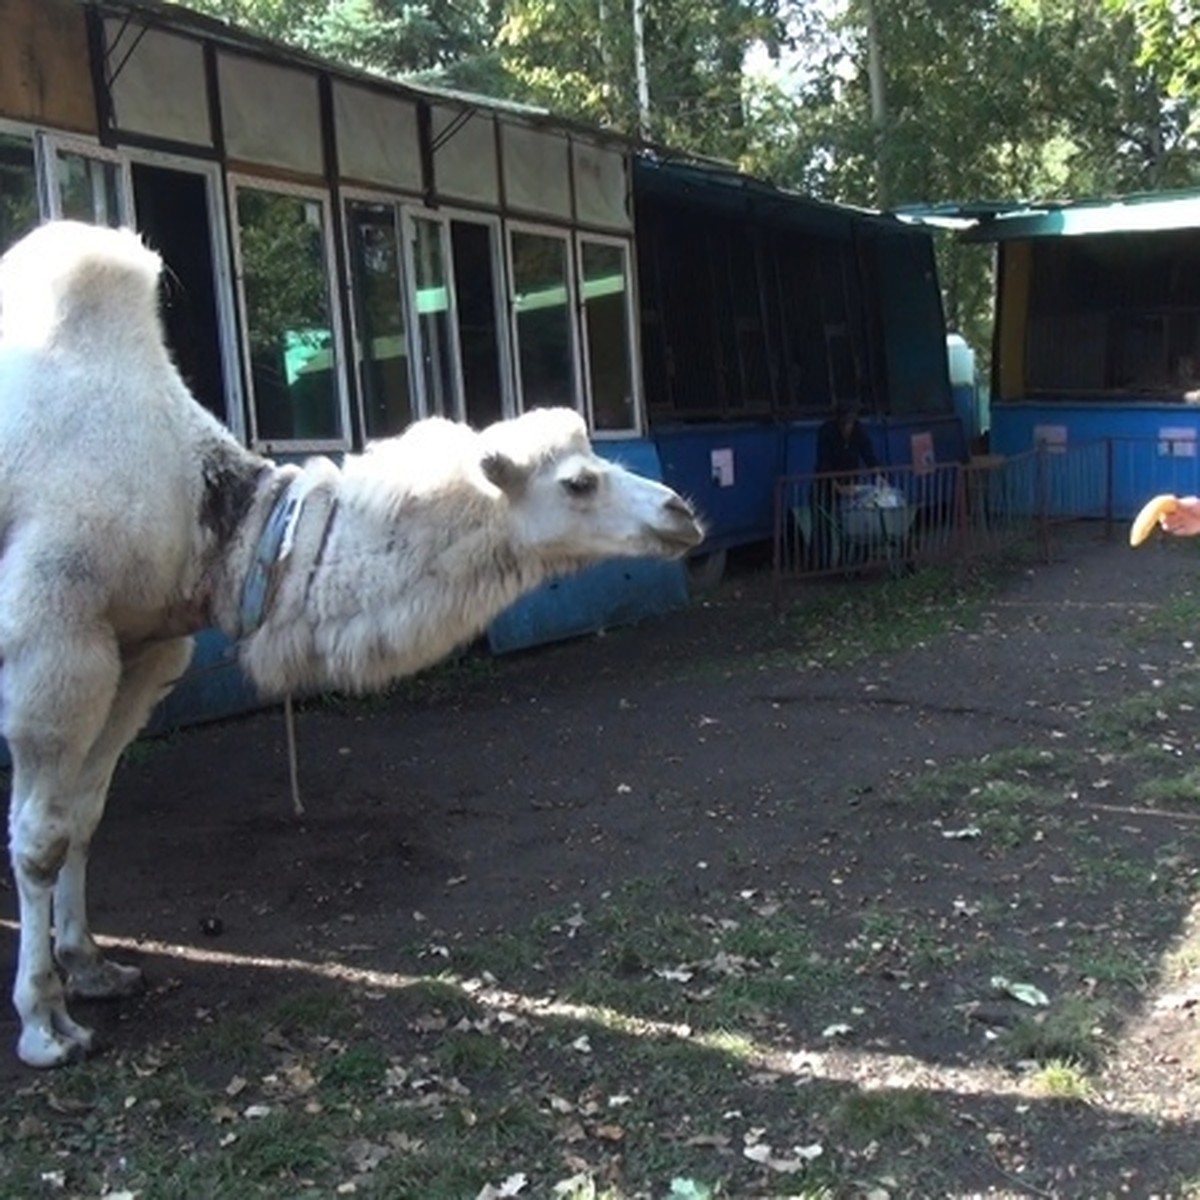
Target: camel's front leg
x: 146, y: 678
x: 56, y: 692
x: 40, y: 829
x: 38, y: 841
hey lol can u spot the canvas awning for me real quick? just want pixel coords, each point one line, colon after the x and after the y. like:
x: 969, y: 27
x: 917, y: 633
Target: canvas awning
x: 1017, y: 220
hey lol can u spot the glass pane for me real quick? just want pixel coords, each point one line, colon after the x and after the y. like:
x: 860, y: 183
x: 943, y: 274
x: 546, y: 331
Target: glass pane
x: 89, y: 188
x: 379, y: 311
x: 606, y: 309
x: 478, y: 329
x: 433, y: 316
x: 545, y: 352
x: 293, y: 362
x: 18, y: 189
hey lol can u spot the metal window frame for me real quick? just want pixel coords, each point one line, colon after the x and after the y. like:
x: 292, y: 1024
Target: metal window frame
x: 223, y: 277
x: 348, y: 196
x: 566, y: 237
x: 499, y: 291
x: 49, y: 144
x: 625, y: 245
x: 409, y: 215
x: 235, y: 181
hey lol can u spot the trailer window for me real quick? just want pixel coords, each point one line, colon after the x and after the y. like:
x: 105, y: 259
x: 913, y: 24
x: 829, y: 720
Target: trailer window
x: 475, y: 250
x: 378, y: 294
x: 1115, y: 316
x: 541, y: 305
x: 89, y: 188
x: 434, y: 316
x: 294, y: 369
x: 607, y: 317
x: 18, y: 189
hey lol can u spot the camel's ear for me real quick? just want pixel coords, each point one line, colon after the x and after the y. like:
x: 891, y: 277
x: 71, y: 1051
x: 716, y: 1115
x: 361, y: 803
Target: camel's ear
x: 509, y: 476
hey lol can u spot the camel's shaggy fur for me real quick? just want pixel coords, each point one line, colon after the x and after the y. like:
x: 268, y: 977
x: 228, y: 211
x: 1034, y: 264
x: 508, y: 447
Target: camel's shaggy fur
x: 130, y: 519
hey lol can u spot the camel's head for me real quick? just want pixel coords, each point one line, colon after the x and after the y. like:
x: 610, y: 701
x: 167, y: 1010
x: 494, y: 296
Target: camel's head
x: 568, y: 502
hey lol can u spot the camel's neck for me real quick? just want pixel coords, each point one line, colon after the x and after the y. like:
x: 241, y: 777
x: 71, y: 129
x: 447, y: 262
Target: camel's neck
x: 369, y: 593
x: 259, y: 547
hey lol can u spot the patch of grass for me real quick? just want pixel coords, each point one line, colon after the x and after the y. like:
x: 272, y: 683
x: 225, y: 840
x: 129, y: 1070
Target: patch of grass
x: 1062, y: 1080
x: 1182, y: 962
x: 1107, y: 962
x: 236, y: 1038
x: 731, y: 972
x: 504, y: 955
x: 316, y: 1011
x: 1003, y: 781
x: 1177, y: 615
x: 869, y: 1116
x: 1105, y: 868
x: 467, y: 1052
x: 171, y: 1096
x: 597, y: 988
x: 278, y: 1147
x: 735, y: 1046
x: 906, y: 940
x: 359, y: 1068
x: 1139, y: 724
x: 1009, y: 829
x: 637, y: 940
x: 890, y: 615
x: 1177, y: 790
x: 589, y: 1189
x: 755, y: 998
x: 1070, y: 1032
x: 442, y: 996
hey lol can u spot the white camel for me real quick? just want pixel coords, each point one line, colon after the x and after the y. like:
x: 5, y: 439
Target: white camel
x: 130, y: 519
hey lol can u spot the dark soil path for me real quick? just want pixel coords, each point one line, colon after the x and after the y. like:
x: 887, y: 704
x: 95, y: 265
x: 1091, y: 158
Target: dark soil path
x: 717, y: 753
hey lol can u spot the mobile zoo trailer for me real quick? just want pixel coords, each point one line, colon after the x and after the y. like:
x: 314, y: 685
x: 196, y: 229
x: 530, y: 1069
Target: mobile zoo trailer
x: 1096, y: 350
x: 760, y: 311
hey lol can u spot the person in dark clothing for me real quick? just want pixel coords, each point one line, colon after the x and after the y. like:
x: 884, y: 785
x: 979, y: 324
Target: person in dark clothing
x: 843, y: 448
x: 843, y: 443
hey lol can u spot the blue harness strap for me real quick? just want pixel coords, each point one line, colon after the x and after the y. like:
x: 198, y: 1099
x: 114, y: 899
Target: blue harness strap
x: 274, y: 545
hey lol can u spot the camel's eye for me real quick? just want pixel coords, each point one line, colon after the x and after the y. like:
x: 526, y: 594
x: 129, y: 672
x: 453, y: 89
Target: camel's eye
x: 582, y: 483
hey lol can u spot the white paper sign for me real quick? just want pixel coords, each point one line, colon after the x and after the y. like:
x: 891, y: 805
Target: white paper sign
x: 1177, y: 443
x: 722, y: 467
x: 1051, y: 437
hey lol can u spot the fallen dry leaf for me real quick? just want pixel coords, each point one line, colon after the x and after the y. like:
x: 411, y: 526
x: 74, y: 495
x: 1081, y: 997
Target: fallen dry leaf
x: 712, y: 1141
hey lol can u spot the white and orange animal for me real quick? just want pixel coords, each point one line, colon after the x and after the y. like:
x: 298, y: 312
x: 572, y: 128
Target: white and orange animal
x: 130, y: 519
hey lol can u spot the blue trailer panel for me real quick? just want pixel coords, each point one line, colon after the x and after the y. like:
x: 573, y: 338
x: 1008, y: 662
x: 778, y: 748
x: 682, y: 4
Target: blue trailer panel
x: 729, y: 473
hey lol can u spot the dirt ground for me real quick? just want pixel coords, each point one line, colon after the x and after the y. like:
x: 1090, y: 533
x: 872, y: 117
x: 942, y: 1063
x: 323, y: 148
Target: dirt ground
x: 702, y: 756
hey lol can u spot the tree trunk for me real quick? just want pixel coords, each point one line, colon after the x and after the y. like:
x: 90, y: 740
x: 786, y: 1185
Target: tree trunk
x: 878, y: 104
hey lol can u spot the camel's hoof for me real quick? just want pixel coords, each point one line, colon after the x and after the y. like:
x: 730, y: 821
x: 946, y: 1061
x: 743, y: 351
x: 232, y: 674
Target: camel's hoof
x: 104, y: 980
x: 43, y: 1049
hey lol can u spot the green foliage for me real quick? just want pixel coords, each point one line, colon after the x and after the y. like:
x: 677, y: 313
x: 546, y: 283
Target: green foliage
x: 1170, y: 41
x: 1001, y: 99
x: 393, y: 37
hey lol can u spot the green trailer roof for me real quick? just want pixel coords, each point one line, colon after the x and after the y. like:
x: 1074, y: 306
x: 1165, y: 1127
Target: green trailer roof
x: 1002, y: 222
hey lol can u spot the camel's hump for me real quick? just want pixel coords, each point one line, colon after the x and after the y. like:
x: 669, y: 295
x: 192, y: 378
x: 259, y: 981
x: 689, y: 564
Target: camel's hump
x: 67, y: 271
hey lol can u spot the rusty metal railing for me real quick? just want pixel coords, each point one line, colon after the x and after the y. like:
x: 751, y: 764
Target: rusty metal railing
x: 904, y: 517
